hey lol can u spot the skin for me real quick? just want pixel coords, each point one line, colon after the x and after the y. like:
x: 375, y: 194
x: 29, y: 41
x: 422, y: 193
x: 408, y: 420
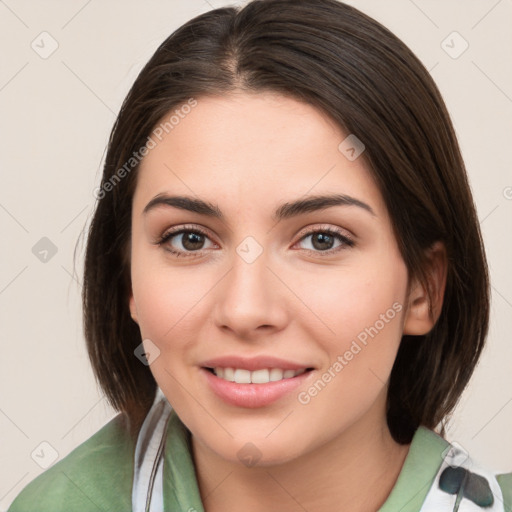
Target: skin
x: 249, y: 153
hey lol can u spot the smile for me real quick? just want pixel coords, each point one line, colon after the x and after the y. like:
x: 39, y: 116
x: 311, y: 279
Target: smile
x: 252, y: 394
x: 262, y: 376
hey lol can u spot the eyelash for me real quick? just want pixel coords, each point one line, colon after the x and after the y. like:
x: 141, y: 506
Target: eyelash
x: 346, y: 241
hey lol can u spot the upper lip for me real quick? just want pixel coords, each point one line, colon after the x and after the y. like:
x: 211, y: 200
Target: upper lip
x: 253, y: 363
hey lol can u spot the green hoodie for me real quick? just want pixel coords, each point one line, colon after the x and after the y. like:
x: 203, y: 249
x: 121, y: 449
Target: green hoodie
x: 98, y: 474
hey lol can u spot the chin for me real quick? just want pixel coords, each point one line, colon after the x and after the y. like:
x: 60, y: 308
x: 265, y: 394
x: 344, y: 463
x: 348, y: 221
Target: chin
x: 259, y: 452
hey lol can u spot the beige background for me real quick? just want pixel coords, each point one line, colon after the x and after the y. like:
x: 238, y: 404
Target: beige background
x: 56, y: 115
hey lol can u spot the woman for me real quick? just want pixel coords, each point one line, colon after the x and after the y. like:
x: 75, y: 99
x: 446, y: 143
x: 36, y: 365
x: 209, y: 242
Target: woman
x: 285, y: 288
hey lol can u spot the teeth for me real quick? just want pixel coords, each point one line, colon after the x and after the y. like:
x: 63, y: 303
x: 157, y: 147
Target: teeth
x: 263, y: 376
x: 242, y: 376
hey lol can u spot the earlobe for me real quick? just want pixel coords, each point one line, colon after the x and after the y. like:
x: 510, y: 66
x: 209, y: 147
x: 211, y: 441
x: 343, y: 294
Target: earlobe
x: 133, y: 309
x: 423, y: 311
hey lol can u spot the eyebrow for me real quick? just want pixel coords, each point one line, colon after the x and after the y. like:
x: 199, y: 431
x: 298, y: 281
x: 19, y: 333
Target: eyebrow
x: 284, y: 211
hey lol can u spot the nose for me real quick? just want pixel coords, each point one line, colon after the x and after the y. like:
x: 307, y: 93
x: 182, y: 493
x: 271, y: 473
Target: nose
x: 251, y: 299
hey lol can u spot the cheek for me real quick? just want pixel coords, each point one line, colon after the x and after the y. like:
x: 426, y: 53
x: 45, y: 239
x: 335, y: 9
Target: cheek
x: 363, y: 310
x: 365, y: 315
x: 350, y: 300
x: 163, y: 299
x: 165, y: 308
x: 172, y: 306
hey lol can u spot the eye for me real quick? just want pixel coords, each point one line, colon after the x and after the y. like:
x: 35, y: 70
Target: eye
x: 184, y: 241
x: 189, y: 242
x: 323, y: 241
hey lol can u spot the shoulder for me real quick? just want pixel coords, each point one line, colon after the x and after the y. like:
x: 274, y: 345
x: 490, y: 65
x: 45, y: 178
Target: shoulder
x: 97, y: 475
x: 505, y: 482
x: 461, y: 476
x: 438, y: 475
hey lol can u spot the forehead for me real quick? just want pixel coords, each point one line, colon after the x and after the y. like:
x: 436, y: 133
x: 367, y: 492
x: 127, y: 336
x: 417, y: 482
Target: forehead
x: 252, y: 149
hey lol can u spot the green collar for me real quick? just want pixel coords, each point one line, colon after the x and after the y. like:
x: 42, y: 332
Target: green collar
x: 181, y: 490
x: 418, y: 472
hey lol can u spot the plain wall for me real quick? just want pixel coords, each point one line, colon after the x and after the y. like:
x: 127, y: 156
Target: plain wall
x: 56, y: 116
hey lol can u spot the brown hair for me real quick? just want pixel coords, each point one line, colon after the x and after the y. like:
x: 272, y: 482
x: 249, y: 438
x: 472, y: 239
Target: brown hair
x: 343, y: 62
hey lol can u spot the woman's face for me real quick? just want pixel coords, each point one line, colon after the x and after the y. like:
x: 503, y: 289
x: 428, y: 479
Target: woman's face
x: 320, y: 288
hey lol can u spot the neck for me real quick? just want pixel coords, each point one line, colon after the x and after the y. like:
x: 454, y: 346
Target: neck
x: 355, y: 471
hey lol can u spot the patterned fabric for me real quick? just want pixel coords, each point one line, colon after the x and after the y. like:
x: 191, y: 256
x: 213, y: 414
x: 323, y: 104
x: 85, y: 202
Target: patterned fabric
x: 461, y: 485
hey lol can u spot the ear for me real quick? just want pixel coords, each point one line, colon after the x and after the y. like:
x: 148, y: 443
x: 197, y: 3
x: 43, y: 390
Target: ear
x: 422, y: 314
x: 133, y: 308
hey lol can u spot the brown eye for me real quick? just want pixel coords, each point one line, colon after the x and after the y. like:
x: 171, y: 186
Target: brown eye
x: 184, y: 241
x: 324, y: 240
x: 192, y: 241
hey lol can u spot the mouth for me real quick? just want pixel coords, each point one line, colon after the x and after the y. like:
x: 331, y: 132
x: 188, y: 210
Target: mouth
x: 260, y: 376
x: 254, y: 389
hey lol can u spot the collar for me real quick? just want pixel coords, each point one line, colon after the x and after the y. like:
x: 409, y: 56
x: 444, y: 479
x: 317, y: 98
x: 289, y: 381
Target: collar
x: 418, y: 472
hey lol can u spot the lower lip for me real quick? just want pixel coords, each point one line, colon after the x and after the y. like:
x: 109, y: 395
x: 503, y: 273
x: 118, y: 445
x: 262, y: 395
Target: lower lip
x: 253, y: 395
